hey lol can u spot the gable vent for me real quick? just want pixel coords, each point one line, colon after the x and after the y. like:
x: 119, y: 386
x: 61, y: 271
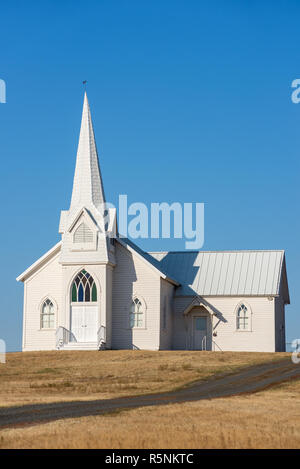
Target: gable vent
x: 83, y: 234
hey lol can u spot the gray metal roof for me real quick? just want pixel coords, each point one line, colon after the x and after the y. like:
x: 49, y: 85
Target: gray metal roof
x: 225, y: 273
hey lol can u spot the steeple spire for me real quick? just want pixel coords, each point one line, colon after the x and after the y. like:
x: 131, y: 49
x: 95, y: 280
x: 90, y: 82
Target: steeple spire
x: 87, y: 184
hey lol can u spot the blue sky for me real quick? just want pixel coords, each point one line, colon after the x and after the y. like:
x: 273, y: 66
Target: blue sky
x: 191, y: 102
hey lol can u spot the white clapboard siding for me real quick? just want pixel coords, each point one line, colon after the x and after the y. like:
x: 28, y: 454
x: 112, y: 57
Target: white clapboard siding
x: 280, y: 325
x: 261, y: 337
x: 132, y: 276
x: 166, y: 301
x: 45, y: 283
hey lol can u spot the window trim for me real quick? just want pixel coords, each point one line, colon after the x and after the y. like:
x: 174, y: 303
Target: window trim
x: 144, y: 307
x: 41, y: 305
x: 249, y: 310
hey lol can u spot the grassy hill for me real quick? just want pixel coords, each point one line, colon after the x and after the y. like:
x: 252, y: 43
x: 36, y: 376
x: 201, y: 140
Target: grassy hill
x: 36, y: 377
x: 266, y: 419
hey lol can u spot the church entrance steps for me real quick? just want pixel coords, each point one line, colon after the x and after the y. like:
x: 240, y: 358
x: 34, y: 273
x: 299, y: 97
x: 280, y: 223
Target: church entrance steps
x: 80, y: 346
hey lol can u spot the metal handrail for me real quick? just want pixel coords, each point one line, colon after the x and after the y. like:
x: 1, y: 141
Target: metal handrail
x: 215, y: 343
x: 101, y: 336
x: 62, y: 336
x: 203, y: 341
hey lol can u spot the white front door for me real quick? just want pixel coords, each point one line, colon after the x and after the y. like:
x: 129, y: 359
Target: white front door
x: 90, y: 323
x: 84, y: 323
x: 200, y: 332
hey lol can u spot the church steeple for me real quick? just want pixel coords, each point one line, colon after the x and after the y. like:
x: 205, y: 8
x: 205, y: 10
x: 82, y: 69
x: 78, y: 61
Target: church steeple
x: 88, y: 226
x: 87, y: 184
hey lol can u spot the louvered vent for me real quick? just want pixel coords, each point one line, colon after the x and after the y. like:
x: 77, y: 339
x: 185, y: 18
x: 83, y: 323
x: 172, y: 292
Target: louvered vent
x: 83, y: 234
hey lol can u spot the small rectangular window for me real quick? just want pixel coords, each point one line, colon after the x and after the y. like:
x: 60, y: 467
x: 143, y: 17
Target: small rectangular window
x: 201, y: 324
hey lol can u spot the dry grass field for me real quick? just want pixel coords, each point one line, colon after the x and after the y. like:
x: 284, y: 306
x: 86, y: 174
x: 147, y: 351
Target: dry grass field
x: 268, y: 419
x: 39, y: 377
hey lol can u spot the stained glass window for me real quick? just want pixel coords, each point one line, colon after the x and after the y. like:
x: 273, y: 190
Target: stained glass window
x: 242, y: 318
x: 47, y: 316
x: 136, y: 313
x: 84, y: 288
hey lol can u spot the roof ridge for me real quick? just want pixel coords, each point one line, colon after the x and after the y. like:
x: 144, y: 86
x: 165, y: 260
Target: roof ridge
x: 221, y: 251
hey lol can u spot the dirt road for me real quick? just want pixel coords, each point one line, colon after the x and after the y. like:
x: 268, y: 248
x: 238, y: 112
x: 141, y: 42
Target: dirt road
x: 246, y: 381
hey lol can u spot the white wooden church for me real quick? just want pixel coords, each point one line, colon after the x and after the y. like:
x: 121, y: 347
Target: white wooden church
x: 92, y: 291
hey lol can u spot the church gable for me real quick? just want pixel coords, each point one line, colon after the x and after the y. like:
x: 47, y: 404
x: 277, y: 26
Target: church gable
x: 83, y: 233
x: 39, y: 263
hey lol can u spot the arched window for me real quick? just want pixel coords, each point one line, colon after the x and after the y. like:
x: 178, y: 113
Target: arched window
x: 136, y: 313
x: 242, y: 319
x: 47, y: 315
x: 84, y: 288
x: 83, y: 234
